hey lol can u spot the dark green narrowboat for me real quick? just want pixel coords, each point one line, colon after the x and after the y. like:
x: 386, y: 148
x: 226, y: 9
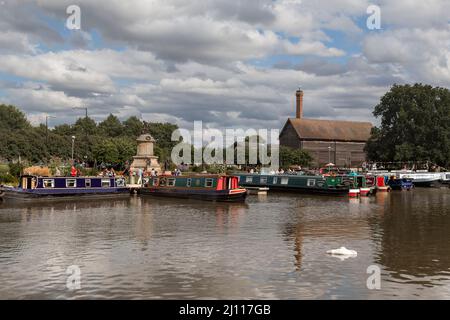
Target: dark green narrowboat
x: 303, y: 183
x: 201, y: 187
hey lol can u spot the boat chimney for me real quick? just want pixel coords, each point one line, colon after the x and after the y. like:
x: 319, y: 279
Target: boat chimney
x: 299, y: 95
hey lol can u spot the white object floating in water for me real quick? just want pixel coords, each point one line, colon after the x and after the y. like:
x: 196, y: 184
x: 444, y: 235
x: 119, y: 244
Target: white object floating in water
x: 342, y: 251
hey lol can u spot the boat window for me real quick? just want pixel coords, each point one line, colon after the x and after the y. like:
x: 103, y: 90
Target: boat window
x: 49, y: 183
x: 171, y: 182
x: 155, y: 182
x: 249, y: 179
x: 209, y: 183
x: 71, y: 183
x: 106, y: 183
x: 311, y: 183
x: 263, y: 180
x: 284, y: 180
x: 189, y: 182
x: 197, y: 182
x: 275, y: 180
x: 87, y: 183
x: 120, y: 183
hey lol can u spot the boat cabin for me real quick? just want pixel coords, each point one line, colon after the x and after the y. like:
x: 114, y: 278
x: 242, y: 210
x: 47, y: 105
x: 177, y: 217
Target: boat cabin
x: 28, y: 182
x: 213, y: 182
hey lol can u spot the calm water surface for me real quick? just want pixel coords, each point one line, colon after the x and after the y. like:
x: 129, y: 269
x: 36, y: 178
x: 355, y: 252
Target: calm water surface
x: 272, y: 247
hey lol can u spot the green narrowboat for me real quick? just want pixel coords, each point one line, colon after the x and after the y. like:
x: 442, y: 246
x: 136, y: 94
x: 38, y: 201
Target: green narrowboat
x: 320, y: 184
x: 201, y: 187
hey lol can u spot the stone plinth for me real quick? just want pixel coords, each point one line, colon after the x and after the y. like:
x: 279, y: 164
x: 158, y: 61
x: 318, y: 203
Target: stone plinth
x: 145, y: 159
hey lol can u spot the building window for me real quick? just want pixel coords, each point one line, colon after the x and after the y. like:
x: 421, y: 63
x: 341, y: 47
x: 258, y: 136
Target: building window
x: 311, y: 183
x: 171, y: 182
x: 188, y: 182
x: 249, y: 179
x: 49, y: 183
x: 71, y: 183
x: 284, y: 180
x: 106, y: 183
x: 263, y: 180
x: 209, y: 183
x: 87, y: 183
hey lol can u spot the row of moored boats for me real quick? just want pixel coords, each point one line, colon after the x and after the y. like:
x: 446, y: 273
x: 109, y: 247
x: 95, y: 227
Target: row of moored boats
x: 220, y: 187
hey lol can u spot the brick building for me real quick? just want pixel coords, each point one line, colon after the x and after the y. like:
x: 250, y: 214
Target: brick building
x: 339, y: 142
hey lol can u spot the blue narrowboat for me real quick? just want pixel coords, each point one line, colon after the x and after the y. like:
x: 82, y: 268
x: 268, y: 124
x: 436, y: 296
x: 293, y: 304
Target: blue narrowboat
x: 201, y: 187
x: 400, y: 184
x: 35, y: 187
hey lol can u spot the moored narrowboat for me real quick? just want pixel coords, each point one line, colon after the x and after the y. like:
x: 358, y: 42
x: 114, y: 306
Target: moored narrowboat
x: 48, y: 188
x: 299, y: 183
x: 200, y: 187
x: 400, y: 184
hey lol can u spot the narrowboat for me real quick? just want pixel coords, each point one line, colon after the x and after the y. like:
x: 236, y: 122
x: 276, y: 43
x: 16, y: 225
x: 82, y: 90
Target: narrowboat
x: 422, y: 179
x: 400, y: 184
x: 200, y: 187
x: 48, y: 188
x: 339, y: 185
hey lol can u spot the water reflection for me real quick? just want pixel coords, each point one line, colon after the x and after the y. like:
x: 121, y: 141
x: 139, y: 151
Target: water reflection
x: 273, y: 246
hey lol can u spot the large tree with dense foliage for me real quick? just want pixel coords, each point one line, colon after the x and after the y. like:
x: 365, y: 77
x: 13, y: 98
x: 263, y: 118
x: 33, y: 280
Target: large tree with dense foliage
x: 415, y: 125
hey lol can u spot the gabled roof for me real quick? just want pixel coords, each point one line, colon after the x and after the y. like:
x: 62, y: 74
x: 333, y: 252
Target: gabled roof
x: 330, y: 130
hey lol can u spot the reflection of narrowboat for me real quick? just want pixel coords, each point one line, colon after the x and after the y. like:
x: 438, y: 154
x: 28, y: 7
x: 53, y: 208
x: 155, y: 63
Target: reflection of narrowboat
x: 34, y: 187
x: 299, y: 183
x: 400, y: 184
x: 201, y: 187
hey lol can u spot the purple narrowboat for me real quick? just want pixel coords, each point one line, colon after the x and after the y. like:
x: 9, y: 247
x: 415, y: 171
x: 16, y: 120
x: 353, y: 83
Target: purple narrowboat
x: 48, y: 188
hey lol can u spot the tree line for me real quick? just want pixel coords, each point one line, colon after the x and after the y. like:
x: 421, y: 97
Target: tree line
x: 110, y: 141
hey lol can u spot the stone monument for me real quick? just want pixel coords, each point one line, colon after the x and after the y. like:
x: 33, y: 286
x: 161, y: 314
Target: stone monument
x: 145, y: 159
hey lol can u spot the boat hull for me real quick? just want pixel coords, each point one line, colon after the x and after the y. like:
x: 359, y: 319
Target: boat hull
x: 307, y: 190
x: 238, y: 195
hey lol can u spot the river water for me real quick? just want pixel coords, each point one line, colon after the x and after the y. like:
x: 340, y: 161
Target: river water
x: 271, y: 247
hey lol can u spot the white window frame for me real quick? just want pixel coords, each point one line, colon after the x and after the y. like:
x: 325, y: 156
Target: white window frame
x: 275, y: 180
x: 171, y: 182
x: 209, y: 180
x: 249, y: 179
x: 284, y: 180
x: 46, y: 180
x: 104, y: 181
x: 88, y: 183
x: 263, y: 180
x: 74, y: 185
x: 311, y: 183
x: 155, y: 182
x: 189, y: 182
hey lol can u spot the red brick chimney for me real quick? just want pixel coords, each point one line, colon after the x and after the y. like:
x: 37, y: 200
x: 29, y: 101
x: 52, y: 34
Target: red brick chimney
x: 299, y: 95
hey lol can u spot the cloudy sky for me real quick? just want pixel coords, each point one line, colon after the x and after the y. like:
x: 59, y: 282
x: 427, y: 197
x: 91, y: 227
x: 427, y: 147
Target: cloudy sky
x: 229, y: 63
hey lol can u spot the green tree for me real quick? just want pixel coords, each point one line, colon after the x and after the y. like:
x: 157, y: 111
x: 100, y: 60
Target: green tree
x: 415, y: 125
x: 111, y: 126
x: 133, y: 127
x: 12, y: 118
x: 290, y: 157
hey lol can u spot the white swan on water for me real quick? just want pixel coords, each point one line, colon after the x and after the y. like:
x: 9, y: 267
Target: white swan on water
x: 343, y: 251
